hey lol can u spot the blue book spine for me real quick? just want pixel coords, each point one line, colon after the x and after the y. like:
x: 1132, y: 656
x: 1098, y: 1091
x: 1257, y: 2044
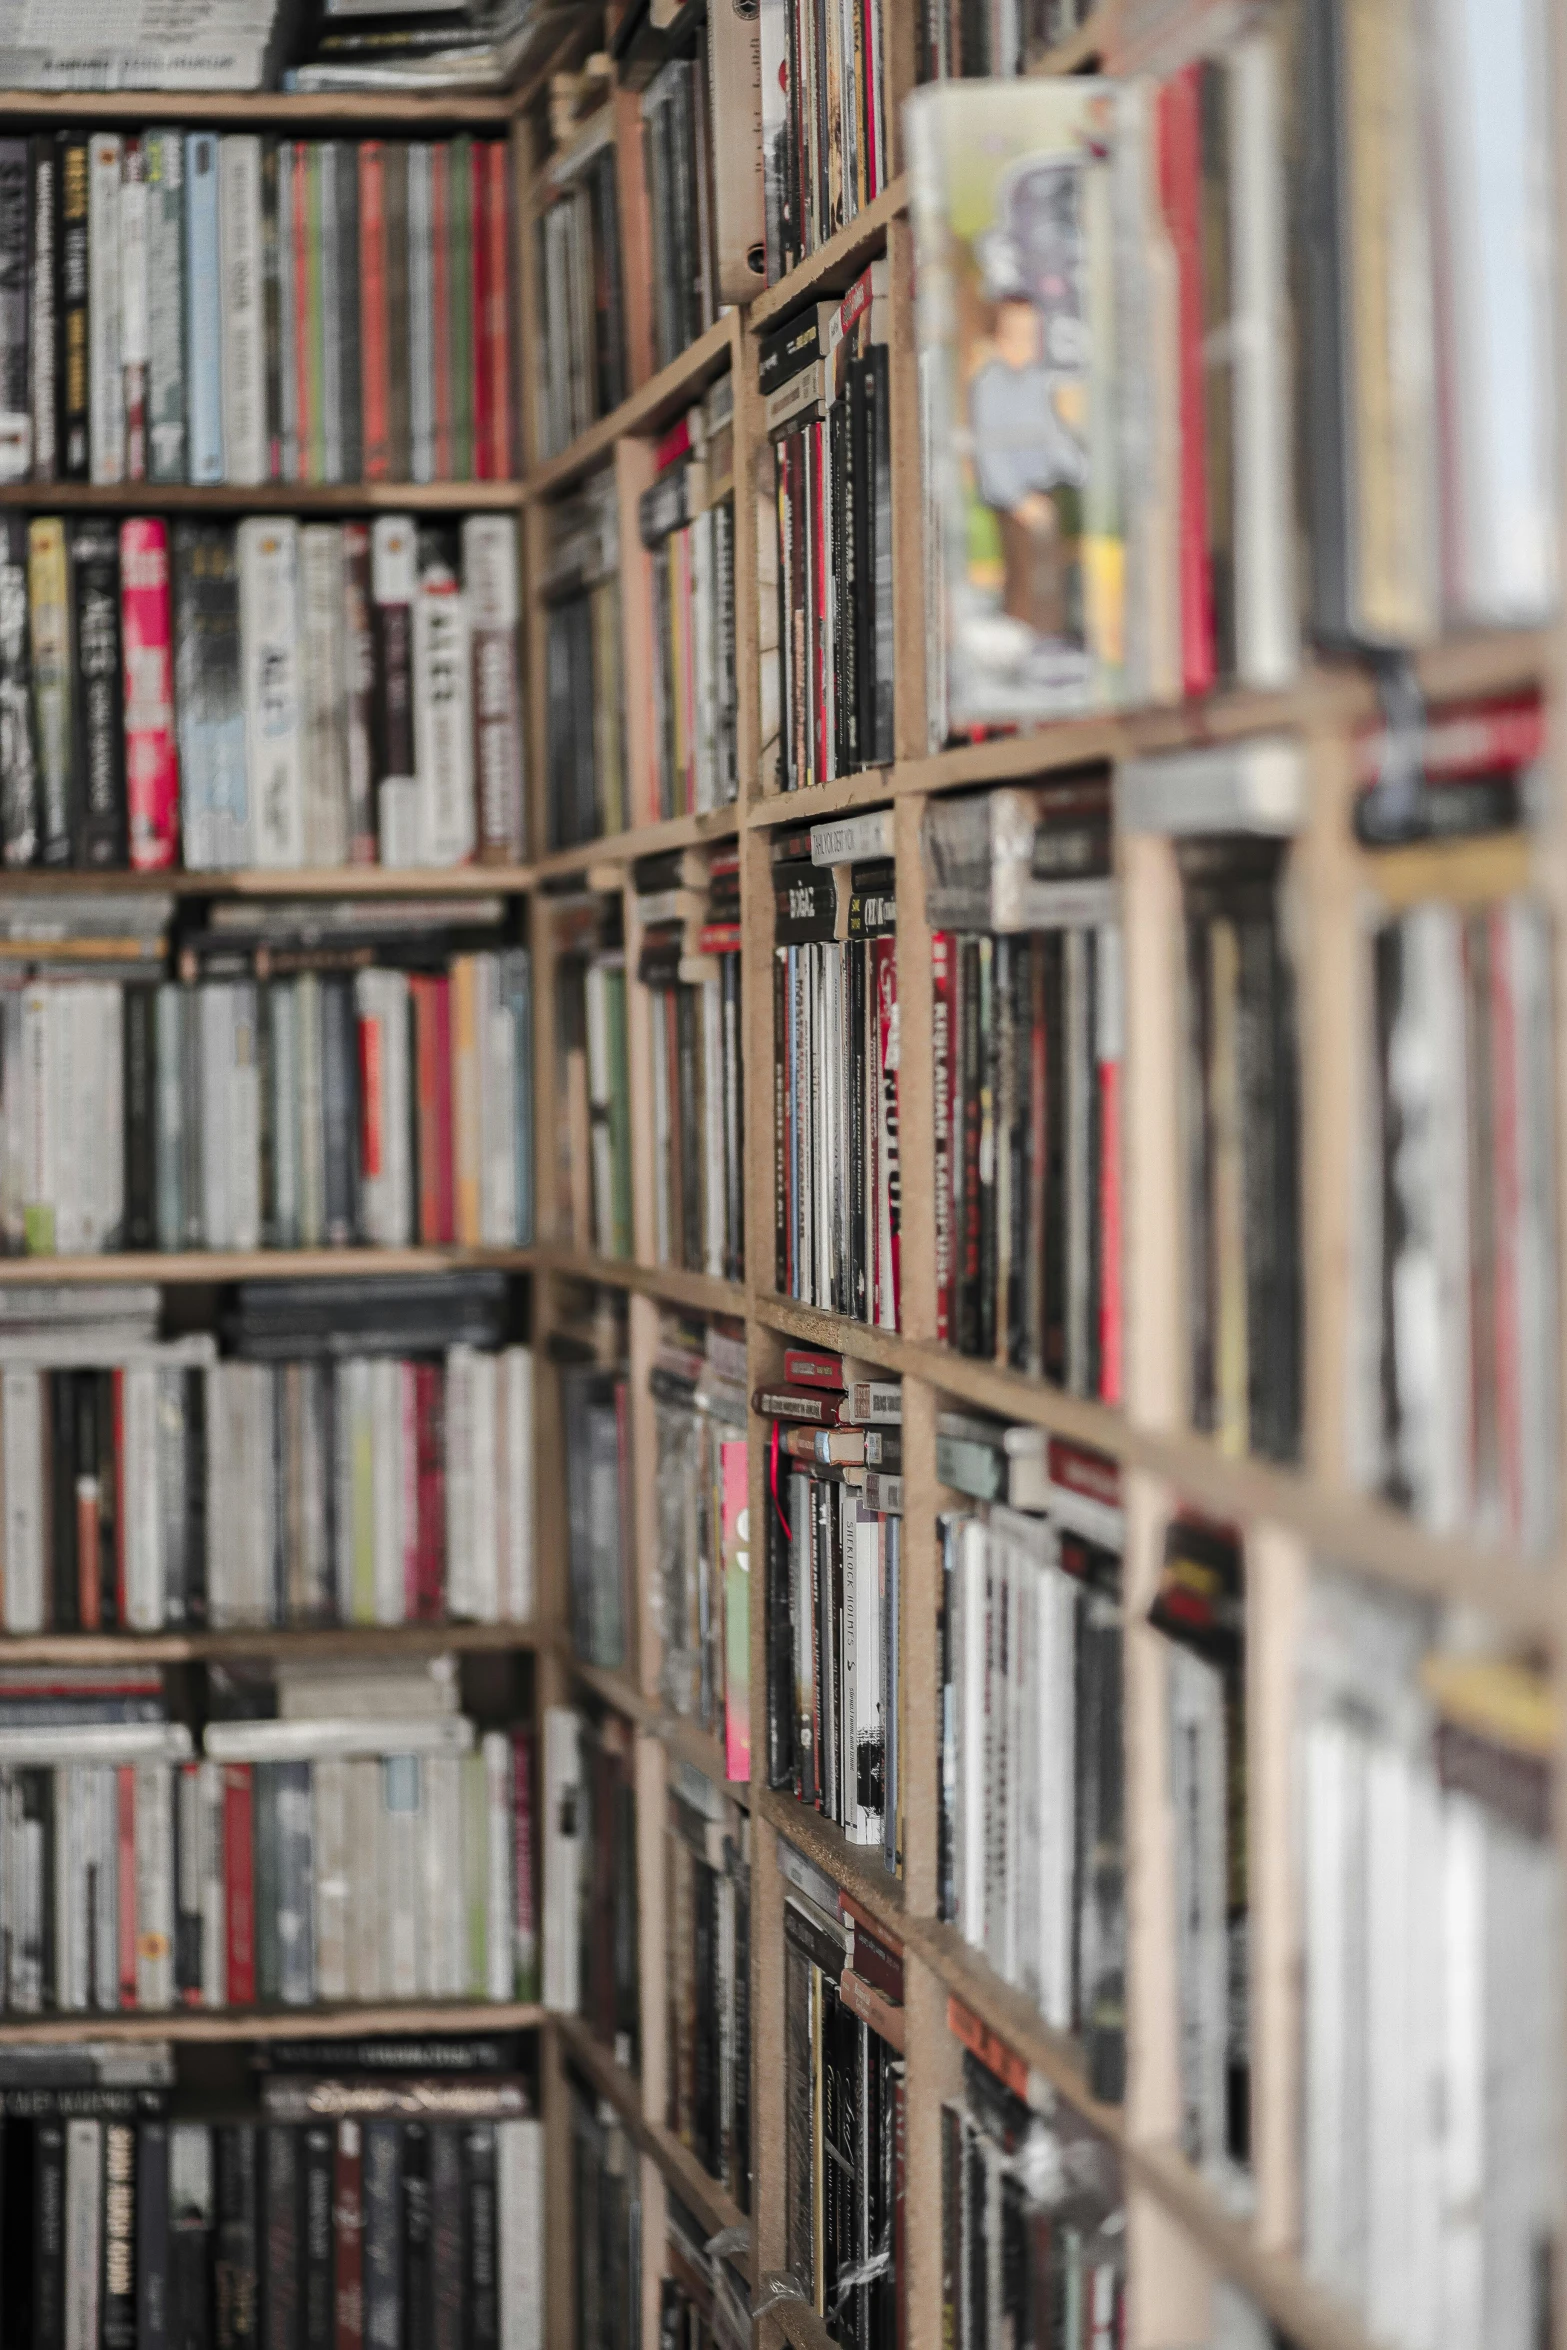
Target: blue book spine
x: 203, y: 320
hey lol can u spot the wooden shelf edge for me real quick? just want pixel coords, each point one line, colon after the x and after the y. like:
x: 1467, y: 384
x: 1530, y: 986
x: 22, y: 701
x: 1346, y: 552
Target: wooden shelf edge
x: 642, y: 840
x: 863, y: 789
x: 242, y: 109
x: 187, y: 1267
x: 669, y: 1283
x: 263, y: 497
x: 653, y: 404
x: 281, y: 1640
x: 830, y: 268
x: 188, y: 2024
x: 855, y: 1867
x: 687, y: 1741
x: 796, y: 2322
x: 712, y: 2204
x: 255, y: 881
x: 1012, y: 2016
x: 1351, y: 1529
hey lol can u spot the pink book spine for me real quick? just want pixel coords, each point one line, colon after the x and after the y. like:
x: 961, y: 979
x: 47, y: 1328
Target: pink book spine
x: 152, y: 787
x: 408, y: 1398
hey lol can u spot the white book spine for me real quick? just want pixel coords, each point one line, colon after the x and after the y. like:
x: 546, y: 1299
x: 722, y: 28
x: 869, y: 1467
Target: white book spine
x: 408, y: 1416
x: 386, y: 1407
x: 329, y: 1837
x: 443, y: 1874
x: 144, y: 1576
x: 269, y: 651
x: 443, y: 717
x: 105, y: 382
x: 212, y: 1013
x: 517, y: 1588
x: 500, y: 1908
x: 288, y: 360
x: 38, y: 1025
x: 154, y: 1819
x: 21, y: 1433
x: 519, y: 2180
x: 364, y: 1830
x: 486, y: 1513
x: 562, y: 1856
x: 65, y: 1042
x: 497, y: 1111
x: 461, y: 1583
x: 83, y: 2226
x: 244, y: 370
x: 324, y: 597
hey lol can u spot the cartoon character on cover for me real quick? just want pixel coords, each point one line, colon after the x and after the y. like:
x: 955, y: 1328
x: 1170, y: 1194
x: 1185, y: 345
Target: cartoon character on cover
x: 1026, y: 398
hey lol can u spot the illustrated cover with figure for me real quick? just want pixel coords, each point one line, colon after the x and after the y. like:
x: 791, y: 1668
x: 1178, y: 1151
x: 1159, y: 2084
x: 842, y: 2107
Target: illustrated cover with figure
x: 1014, y: 224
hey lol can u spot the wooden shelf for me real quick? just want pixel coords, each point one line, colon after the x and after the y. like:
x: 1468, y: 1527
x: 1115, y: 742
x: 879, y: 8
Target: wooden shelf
x: 286, y: 1642
x: 257, y: 109
x: 833, y: 267
x: 192, y: 1267
x: 1349, y: 1527
x: 359, y: 2021
x: 670, y: 1283
x: 268, y: 497
x: 856, y: 1867
x: 663, y: 397
x: 706, y: 2198
x: 645, y: 840
x: 259, y: 881
x: 685, y: 1740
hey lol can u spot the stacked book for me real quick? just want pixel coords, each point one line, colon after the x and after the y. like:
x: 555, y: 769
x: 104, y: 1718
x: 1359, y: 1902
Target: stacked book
x: 586, y: 788
x: 592, y: 1076
x: 707, y: 1936
x: 686, y: 521
x: 1430, y: 1893
x: 688, y: 912
x: 702, y: 1564
x: 1133, y: 347
x: 1231, y: 814
x: 825, y: 127
x: 182, y: 306
x: 363, y: 1856
x: 1026, y: 1028
x: 845, y: 2118
x: 346, y: 1074
x: 590, y: 1876
x: 415, y: 2198
x: 825, y: 385
x: 834, y: 1545
x: 835, y: 1032
x: 1031, y: 1859
x: 269, y: 693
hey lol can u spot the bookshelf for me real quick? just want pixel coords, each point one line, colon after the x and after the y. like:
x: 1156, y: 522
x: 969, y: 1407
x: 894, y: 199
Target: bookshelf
x: 1181, y: 2234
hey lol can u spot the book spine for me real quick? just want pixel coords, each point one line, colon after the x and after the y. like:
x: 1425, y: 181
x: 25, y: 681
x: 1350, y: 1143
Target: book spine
x: 483, y: 2312
x: 203, y: 296
x: 105, y: 390
x: 383, y: 2231
x: 119, y: 2238
x: 269, y: 603
x: 43, y: 307
x: 318, y: 2163
x: 349, y: 359
x: 359, y: 677
x: 16, y: 274
x: 443, y: 717
x: 282, y: 2262
x: 348, y: 2236
x: 395, y: 199
x: 241, y: 308
x: 99, y: 728
x: 323, y: 596
x: 287, y: 356
x: 152, y: 2237
x: 49, y: 615
x: 151, y: 773
x: 441, y: 232
x: 236, y: 2279
x: 83, y: 2232
x: 153, y: 1862
x: 421, y: 315
x: 166, y: 436
x: 375, y: 358
x: 18, y: 760
x: 498, y: 305
x: 305, y: 419
x: 393, y: 582
x: 489, y: 564
x: 329, y: 247
x: 135, y: 324
x: 238, y: 1886
x: 75, y: 455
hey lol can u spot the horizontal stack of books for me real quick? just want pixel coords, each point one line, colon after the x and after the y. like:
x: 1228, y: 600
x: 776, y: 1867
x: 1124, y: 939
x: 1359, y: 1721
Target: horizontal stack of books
x: 268, y: 692
x: 185, y: 306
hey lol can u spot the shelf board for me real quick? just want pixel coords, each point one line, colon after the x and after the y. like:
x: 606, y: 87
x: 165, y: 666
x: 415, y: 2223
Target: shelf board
x: 266, y: 497
x: 687, y: 1741
x: 293, y: 1642
x: 670, y: 1283
x: 799, y: 2324
x: 183, y: 1268
x: 833, y: 267
x: 864, y: 789
x: 257, y: 881
x: 643, y: 840
x: 1351, y: 1528
x: 710, y: 2202
x: 255, y: 109
x: 272, y: 2023
x: 657, y: 402
x: 855, y: 1867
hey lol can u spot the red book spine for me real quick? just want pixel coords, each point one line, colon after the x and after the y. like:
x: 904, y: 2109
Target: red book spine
x: 125, y: 1795
x: 804, y: 1367
x: 375, y: 378
x: 348, y: 2222
x: 889, y: 1274
x: 441, y: 272
x: 152, y: 788
x: 478, y: 215
x: 446, y: 1176
x: 497, y: 338
x: 941, y: 1089
x: 1180, y: 191
x: 370, y: 1106
x: 429, y: 1599
x: 304, y: 419
x: 120, y: 1498
x: 238, y: 1885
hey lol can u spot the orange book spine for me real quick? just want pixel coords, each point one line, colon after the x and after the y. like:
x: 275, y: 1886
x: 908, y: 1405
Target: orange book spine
x: 376, y: 389
x: 465, y: 1096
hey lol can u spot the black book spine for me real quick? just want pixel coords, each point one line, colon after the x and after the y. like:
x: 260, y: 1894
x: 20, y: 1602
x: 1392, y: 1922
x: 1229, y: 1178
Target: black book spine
x: 71, y: 308
x: 195, y: 1498
x: 319, y: 2326
x: 448, y: 2268
x: 272, y: 306
x: 704, y: 1953
x: 49, y: 2236
x: 18, y: 752
x: 107, y: 1483
x: 418, y: 2316
x: 190, y: 2240
x: 43, y: 306
x: 283, y: 2269
x: 62, y: 1422
x: 118, y: 2327
x: 862, y: 1204
x: 483, y: 2327
x: 100, y: 722
x: 141, y: 1194
x: 340, y: 1109
x: 236, y: 2284
x: 152, y: 2236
